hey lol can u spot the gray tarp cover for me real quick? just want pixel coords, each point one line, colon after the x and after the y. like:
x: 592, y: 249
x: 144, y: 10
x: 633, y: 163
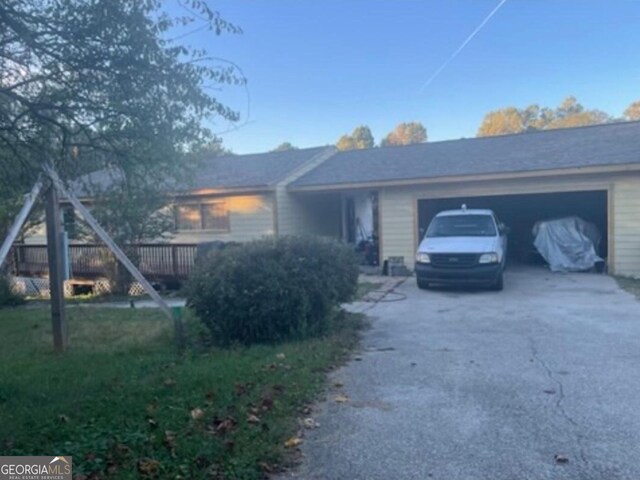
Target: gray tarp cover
x: 567, y: 244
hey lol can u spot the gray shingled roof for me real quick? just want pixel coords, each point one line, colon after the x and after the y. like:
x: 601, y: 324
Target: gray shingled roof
x: 256, y: 170
x: 609, y: 144
x: 259, y: 171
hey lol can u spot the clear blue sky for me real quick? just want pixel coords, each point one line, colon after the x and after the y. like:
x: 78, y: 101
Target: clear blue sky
x: 317, y: 69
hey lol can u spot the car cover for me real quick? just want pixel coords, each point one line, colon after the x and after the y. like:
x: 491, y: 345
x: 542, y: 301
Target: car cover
x: 567, y: 244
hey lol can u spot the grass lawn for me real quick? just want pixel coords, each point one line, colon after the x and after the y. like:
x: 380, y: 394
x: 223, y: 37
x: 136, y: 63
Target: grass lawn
x: 126, y: 406
x: 631, y: 285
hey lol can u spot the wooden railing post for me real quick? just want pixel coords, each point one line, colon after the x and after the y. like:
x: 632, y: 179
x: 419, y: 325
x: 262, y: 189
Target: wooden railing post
x: 174, y: 261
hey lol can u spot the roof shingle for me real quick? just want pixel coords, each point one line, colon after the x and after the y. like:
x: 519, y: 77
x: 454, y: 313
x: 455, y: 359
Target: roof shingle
x: 601, y: 145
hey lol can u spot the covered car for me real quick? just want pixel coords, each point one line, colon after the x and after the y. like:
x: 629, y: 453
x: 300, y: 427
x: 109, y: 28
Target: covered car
x: 568, y: 244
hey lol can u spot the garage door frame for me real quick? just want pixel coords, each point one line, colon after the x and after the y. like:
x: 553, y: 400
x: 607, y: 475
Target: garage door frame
x: 454, y: 191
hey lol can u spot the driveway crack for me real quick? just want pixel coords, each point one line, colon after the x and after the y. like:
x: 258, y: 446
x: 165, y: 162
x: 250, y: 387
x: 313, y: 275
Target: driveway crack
x: 559, y: 402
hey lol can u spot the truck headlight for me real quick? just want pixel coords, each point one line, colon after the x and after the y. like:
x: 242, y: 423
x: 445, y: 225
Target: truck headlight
x: 489, y: 258
x: 422, y: 257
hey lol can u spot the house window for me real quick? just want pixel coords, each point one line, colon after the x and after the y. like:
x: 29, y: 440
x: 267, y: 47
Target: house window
x: 213, y: 216
x: 188, y: 217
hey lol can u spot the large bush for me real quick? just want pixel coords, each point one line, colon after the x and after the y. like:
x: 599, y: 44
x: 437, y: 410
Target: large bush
x: 273, y: 289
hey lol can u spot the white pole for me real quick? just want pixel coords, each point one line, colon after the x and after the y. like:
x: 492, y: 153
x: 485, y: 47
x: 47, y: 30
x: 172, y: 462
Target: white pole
x: 30, y: 199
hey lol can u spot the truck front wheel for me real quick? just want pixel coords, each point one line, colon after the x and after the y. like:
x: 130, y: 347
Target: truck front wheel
x: 499, y: 285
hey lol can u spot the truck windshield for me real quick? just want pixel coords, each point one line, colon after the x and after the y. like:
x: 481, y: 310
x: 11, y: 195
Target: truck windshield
x: 462, y: 226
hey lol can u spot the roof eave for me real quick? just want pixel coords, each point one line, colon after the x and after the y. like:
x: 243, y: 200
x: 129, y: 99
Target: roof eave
x: 476, y: 177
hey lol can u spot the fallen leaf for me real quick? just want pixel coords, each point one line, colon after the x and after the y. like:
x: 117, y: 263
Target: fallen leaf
x: 293, y: 442
x: 280, y: 356
x: 120, y: 450
x: 169, y: 441
x: 197, y: 413
x: 266, y: 467
x: 266, y: 403
x: 148, y: 467
x: 169, y: 382
x: 341, y: 399
x: 309, y: 423
x: 226, y: 425
x: 253, y: 419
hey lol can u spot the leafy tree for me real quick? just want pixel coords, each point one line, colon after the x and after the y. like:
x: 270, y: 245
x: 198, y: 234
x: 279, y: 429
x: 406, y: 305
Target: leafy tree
x: 214, y: 148
x: 102, y: 85
x: 360, y: 138
x: 569, y: 113
x: 284, y: 146
x: 405, y: 134
x: 633, y: 111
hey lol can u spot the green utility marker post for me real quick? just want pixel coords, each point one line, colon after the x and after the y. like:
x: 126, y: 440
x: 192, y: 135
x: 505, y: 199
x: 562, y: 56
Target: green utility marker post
x: 178, y: 326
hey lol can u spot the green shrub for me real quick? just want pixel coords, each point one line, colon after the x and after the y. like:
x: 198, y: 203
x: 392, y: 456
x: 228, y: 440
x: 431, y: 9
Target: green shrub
x: 7, y: 296
x: 273, y: 289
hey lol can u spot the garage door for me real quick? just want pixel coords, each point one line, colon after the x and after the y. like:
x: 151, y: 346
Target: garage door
x: 521, y: 212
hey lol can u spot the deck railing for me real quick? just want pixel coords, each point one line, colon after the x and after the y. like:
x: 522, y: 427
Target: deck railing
x: 155, y: 261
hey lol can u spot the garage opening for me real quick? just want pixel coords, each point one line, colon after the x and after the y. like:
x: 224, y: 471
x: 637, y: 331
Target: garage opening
x: 521, y: 212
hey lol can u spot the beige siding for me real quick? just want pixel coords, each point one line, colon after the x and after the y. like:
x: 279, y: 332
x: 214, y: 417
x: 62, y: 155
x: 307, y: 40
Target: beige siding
x: 398, y: 208
x: 626, y: 227
x: 293, y: 216
x: 250, y: 217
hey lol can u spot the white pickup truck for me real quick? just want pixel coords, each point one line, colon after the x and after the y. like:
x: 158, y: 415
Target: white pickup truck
x: 463, y: 247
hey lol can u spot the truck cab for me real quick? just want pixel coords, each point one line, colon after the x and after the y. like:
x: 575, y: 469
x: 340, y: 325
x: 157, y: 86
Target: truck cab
x: 463, y: 247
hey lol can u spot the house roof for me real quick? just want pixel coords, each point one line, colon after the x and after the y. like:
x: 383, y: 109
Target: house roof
x: 598, y: 145
x: 260, y: 170
x: 227, y: 173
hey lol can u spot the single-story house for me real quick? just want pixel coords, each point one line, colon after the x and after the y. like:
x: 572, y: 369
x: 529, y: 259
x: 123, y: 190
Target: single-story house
x: 387, y: 196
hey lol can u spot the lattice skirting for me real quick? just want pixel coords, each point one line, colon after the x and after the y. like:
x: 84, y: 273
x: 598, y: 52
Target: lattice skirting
x: 39, y: 287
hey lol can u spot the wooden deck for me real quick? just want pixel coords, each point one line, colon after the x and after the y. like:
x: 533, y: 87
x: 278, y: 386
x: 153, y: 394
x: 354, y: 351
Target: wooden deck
x: 91, y: 261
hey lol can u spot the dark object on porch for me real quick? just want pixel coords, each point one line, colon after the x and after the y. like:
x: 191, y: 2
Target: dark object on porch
x: 367, y: 251
x: 205, y: 248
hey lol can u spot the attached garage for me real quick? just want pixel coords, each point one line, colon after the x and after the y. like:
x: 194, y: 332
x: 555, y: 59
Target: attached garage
x: 521, y: 212
x: 591, y: 172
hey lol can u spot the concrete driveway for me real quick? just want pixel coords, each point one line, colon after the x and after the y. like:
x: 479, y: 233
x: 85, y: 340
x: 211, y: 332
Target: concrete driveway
x: 489, y: 385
